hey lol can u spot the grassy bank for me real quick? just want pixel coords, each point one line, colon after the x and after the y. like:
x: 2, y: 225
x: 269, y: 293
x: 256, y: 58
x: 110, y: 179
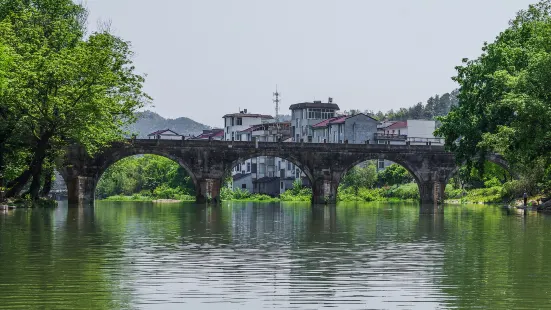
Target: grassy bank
x: 141, y: 197
x: 405, y: 192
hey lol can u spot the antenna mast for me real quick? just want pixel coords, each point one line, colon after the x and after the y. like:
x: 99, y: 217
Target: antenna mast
x: 277, y: 101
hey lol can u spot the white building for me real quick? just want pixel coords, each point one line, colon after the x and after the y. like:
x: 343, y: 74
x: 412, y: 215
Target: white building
x: 307, y: 114
x: 237, y: 122
x: 165, y: 134
x: 412, y: 132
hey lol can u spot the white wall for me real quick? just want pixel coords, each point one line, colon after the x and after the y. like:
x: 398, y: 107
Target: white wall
x: 421, y: 129
x: 247, y: 122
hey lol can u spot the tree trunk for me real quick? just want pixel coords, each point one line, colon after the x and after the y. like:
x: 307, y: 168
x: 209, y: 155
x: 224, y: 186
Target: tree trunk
x: 34, y: 171
x: 2, y: 172
x: 47, y: 183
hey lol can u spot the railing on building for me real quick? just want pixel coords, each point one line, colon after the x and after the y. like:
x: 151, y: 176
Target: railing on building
x: 425, y: 140
x: 382, y: 136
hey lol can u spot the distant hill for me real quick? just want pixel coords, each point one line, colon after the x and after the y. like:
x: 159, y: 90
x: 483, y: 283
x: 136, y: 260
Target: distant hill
x: 149, y: 122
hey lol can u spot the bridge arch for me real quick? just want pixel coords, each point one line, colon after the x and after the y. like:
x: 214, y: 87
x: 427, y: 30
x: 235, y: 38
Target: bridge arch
x: 492, y: 158
x: 390, y: 157
x: 112, y: 158
x: 399, y: 160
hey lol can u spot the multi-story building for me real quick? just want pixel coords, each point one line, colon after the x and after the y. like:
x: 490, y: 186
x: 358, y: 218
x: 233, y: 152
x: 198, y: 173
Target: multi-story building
x: 259, y: 170
x: 357, y: 128
x: 237, y: 122
x: 306, y: 114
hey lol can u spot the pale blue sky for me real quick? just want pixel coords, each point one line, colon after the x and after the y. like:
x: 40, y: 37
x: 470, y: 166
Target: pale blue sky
x: 206, y: 58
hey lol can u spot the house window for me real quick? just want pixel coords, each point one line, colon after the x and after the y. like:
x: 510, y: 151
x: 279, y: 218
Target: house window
x: 238, y: 167
x: 279, y: 165
x: 281, y: 186
x: 381, y: 164
x: 248, y: 167
x: 232, y: 119
x: 297, y: 174
x: 244, y: 186
x: 320, y: 113
x: 239, y: 121
x: 289, y: 166
x: 233, y: 136
x: 253, y: 168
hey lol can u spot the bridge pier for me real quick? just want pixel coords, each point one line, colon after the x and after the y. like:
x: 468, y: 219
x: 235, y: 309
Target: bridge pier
x: 325, y: 191
x: 208, y: 190
x: 80, y: 190
x: 431, y: 192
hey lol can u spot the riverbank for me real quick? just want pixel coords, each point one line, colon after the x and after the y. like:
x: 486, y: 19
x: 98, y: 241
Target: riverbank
x: 406, y: 192
x: 11, y: 204
x: 138, y: 198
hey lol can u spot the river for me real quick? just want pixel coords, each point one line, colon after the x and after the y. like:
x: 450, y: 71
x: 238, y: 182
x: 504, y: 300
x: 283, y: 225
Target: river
x: 273, y: 256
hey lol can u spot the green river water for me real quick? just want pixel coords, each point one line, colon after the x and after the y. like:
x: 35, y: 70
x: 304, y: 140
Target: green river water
x: 274, y: 256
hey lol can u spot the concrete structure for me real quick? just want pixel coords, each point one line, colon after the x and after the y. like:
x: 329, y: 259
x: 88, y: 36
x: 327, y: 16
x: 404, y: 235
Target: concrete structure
x: 207, y: 162
x: 306, y: 114
x: 165, y: 134
x: 243, y: 181
x: 356, y: 129
x: 267, y: 185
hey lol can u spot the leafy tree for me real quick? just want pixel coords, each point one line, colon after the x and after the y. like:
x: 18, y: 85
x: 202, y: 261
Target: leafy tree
x: 505, y: 101
x: 61, y: 76
x: 147, y: 174
x: 360, y: 177
x: 394, y: 175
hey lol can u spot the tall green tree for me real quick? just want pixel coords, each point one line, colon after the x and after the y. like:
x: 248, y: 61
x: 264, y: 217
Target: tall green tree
x: 505, y: 95
x: 66, y: 87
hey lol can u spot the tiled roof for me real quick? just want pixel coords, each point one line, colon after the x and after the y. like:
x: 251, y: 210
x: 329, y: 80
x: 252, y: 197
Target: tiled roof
x: 338, y: 120
x: 327, y: 121
x: 316, y: 105
x: 210, y: 133
x: 250, y: 129
x: 266, y: 180
x: 158, y: 132
x: 263, y: 116
x: 240, y: 176
x: 398, y: 125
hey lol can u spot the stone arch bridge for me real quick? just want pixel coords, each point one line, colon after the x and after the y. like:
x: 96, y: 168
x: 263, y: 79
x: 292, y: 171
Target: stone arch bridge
x: 207, y: 161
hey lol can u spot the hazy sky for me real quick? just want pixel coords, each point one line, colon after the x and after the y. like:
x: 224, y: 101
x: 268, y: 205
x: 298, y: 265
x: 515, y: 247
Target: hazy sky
x: 205, y: 58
